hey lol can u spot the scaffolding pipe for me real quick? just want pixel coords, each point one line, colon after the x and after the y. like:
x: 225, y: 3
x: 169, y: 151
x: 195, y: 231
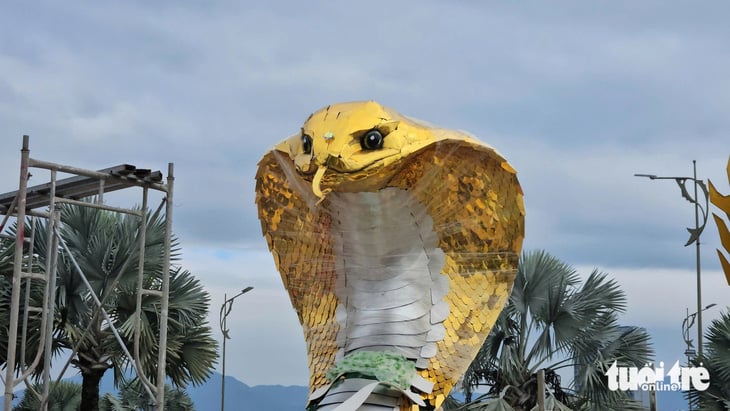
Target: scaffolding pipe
x: 93, y: 174
x: 162, y: 359
x: 46, y: 315
x: 26, y: 369
x: 41, y: 214
x: 31, y: 368
x: 151, y: 388
x: 99, y: 206
x: 51, y: 265
x: 100, y: 196
x: 26, y: 304
x: 17, y: 266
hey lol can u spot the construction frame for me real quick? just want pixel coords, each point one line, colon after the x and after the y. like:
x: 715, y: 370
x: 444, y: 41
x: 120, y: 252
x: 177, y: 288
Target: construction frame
x: 30, y: 202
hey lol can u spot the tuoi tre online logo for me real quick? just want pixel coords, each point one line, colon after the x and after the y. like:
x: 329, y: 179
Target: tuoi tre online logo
x: 649, y: 378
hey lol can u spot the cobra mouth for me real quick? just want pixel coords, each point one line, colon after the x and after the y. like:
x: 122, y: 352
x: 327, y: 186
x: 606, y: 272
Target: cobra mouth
x: 348, y: 179
x: 353, y: 164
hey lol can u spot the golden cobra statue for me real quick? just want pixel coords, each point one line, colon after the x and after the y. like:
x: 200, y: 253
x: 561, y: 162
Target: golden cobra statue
x: 398, y: 244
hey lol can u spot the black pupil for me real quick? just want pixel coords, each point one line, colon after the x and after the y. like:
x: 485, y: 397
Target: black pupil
x: 372, y: 140
x: 307, y: 144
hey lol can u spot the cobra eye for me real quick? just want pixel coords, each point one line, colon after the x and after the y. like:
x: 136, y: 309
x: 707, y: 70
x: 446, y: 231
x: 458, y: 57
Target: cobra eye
x: 307, y: 144
x: 372, y: 140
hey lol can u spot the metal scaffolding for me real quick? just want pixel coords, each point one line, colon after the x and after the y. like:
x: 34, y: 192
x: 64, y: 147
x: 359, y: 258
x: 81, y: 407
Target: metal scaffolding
x: 30, y: 201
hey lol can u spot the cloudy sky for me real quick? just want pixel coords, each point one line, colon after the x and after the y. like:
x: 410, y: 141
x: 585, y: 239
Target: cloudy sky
x: 578, y: 96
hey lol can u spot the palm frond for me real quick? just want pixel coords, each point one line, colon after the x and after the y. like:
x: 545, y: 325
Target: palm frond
x: 716, y: 359
x: 553, y: 321
x: 62, y: 396
x: 630, y: 348
x: 537, y: 273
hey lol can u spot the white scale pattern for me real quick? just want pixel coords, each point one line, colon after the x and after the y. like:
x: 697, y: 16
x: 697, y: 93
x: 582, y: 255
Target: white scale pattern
x: 389, y: 282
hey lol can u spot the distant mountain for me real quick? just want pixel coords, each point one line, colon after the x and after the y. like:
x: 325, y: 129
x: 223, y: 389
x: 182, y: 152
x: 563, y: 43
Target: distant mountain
x: 240, y: 396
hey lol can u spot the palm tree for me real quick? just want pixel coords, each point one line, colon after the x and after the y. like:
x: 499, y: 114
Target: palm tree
x: 133, y: 397
x: 552, y: 322
x: 104, y: 244
x: 62, y: 396
x: 716, y: 359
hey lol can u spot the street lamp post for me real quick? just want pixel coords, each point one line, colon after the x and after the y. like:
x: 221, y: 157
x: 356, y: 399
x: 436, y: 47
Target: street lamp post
x: 225, y: 310
x: 687, y: 323
x: 694, y: 233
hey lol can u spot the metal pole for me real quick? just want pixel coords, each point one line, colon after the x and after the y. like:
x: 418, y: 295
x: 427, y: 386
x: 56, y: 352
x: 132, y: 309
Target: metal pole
x: 51, y: 264
x: 699, y: 281
x: 689, y: 359
x: 142, y: 240
x: 225, y: 310
x: 695, y: 233
x: 17, y: 268
x: 541, y: 390
x: 689, y: 352
x: 162, y: 355
x: 26, y: 303
x: 223, y: 358
x: 687, y: 323
x: 652, y: 400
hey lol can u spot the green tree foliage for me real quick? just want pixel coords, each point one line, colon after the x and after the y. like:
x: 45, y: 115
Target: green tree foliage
x: 554, y: 322
x: 717, y: 362
x: 133, y: 397
x: 62, y: 396
x: 66, y: 396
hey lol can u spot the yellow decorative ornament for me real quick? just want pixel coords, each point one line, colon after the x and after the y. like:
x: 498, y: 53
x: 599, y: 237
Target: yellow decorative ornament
x: 398, y: 244
x: 723, y: 203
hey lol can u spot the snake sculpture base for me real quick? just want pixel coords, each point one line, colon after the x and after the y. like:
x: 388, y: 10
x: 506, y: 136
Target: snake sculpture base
x: 398, y: 244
